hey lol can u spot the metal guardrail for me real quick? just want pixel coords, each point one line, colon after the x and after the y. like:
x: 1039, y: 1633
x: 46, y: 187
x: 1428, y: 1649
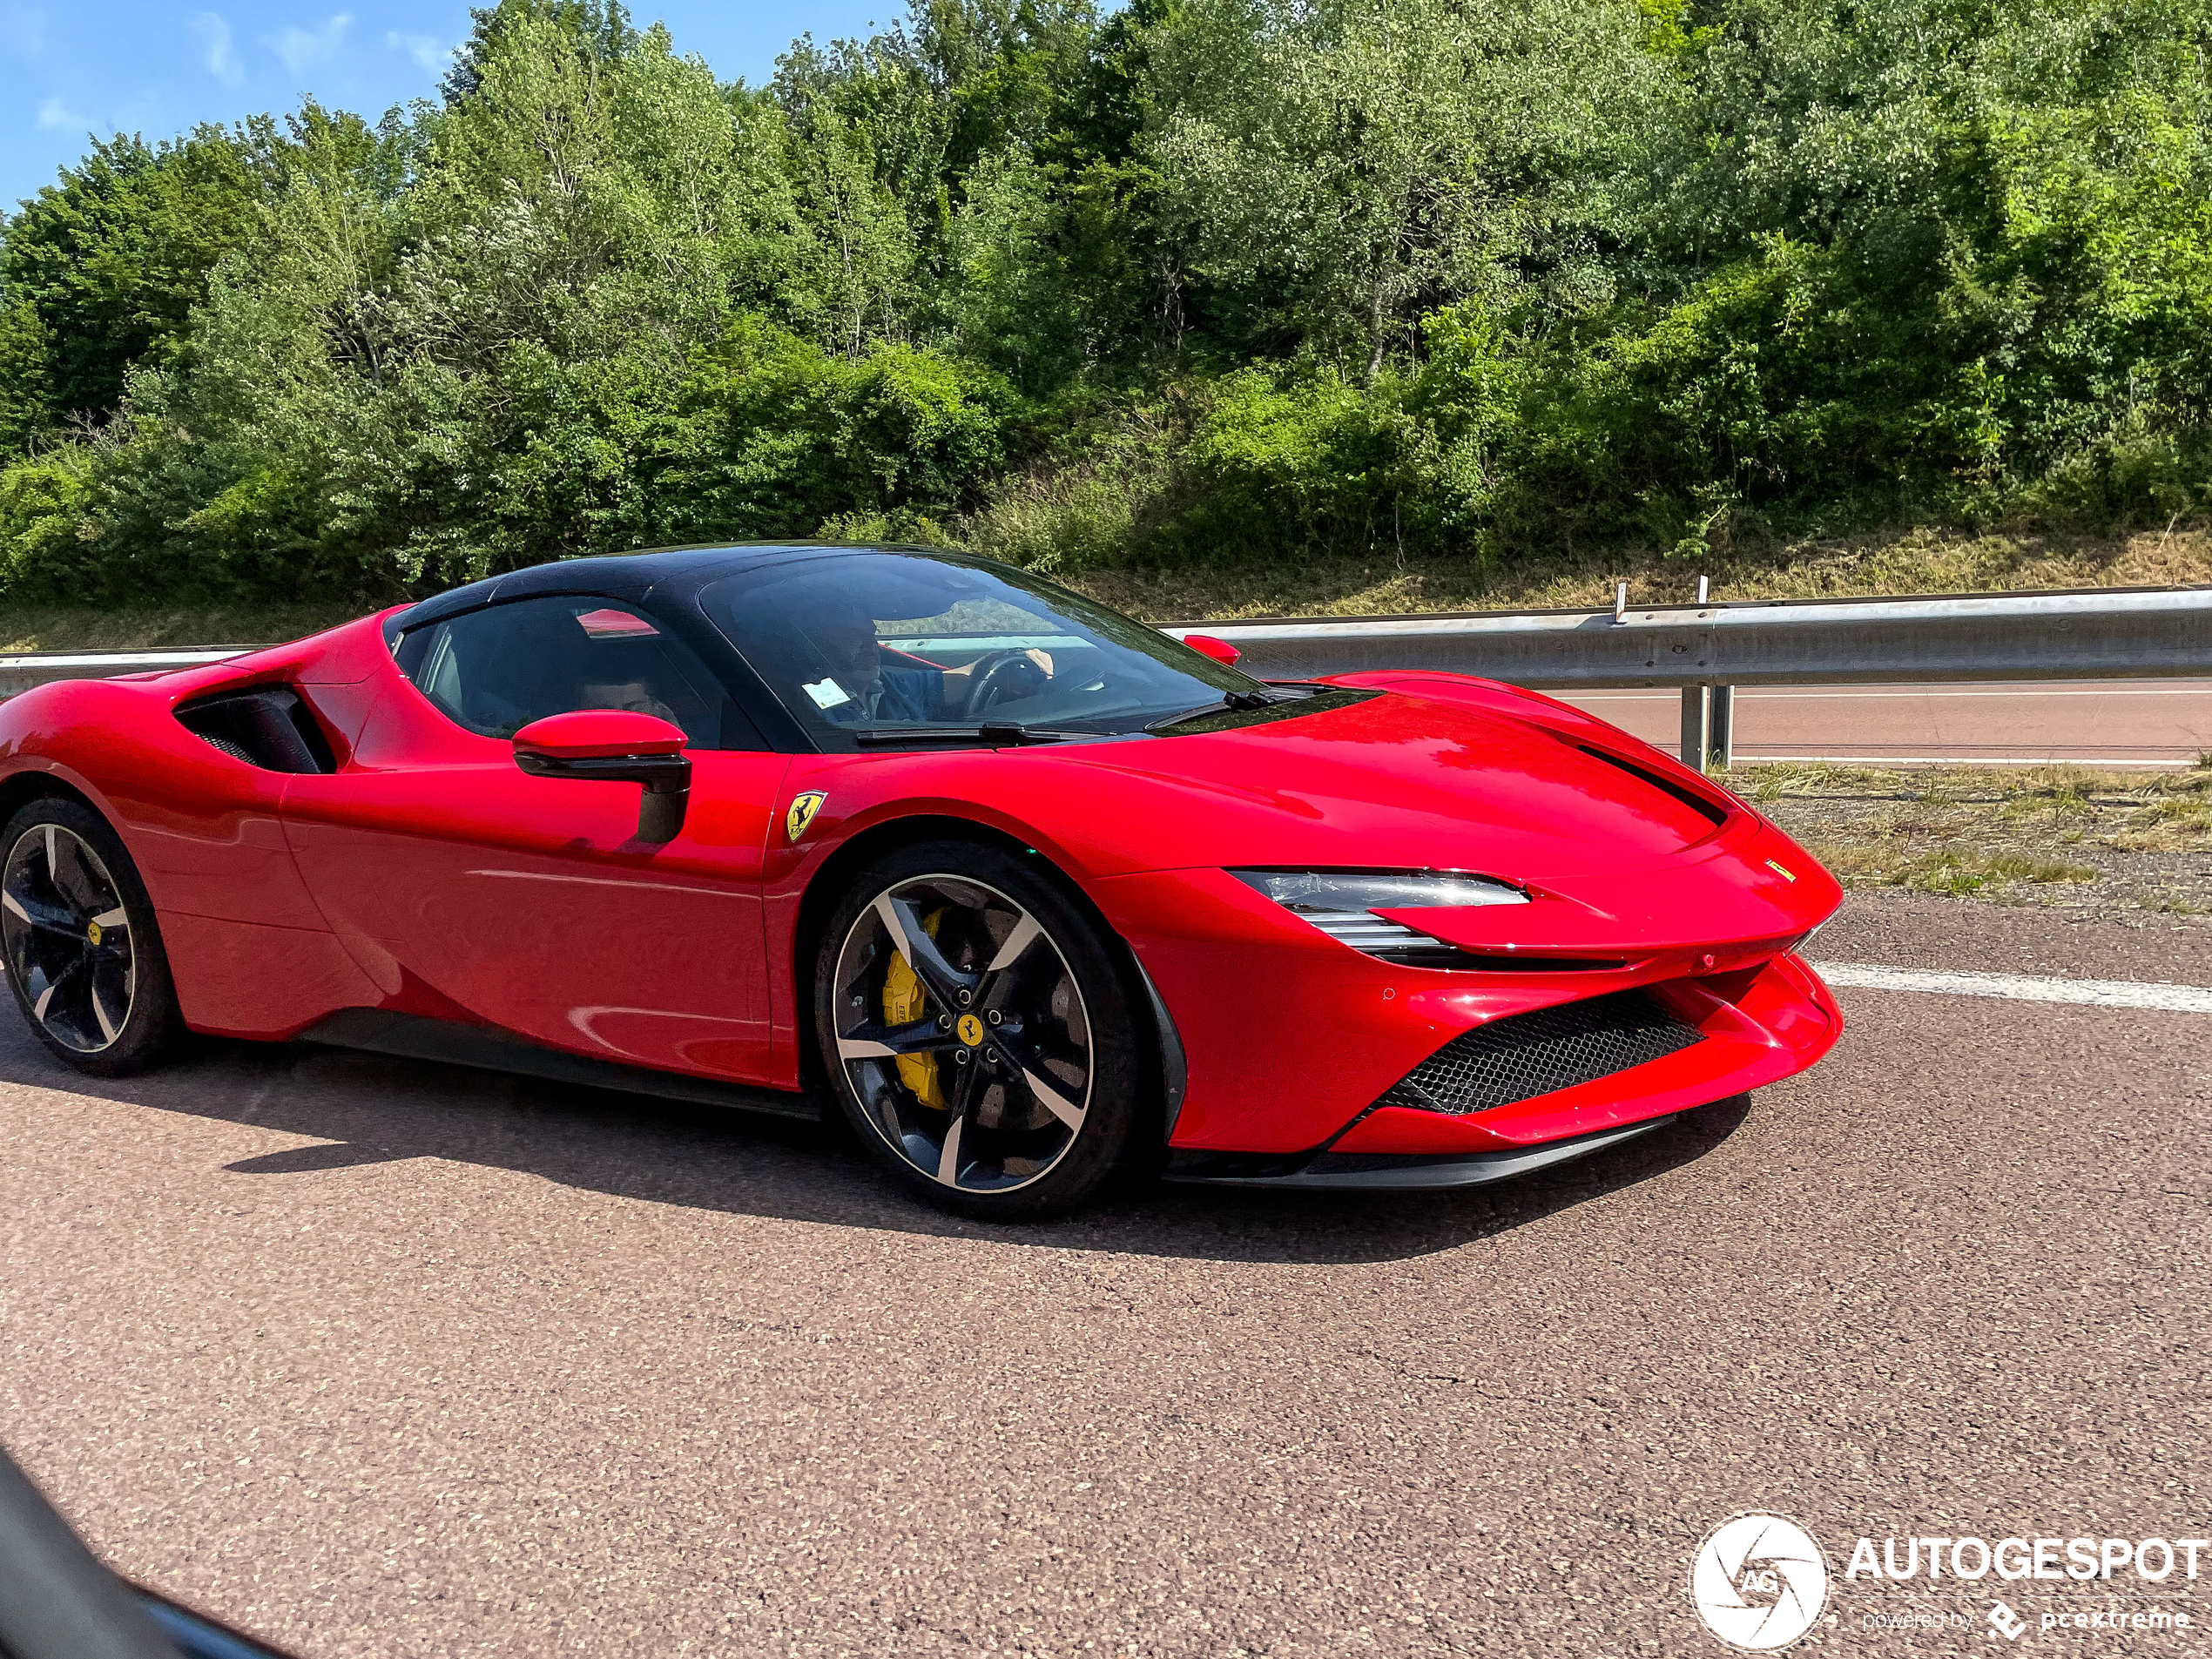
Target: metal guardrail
x: 1704, y: 649
x: 2107, y: 633
x: 24, y: 670
x: 2103, y: 634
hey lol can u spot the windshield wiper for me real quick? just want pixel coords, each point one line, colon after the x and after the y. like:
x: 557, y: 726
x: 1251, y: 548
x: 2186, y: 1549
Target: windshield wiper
x: 1000, y: 734
x: 1238, y: 701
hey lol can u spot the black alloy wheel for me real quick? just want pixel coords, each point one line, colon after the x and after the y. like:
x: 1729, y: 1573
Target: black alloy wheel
x: 84, y: 957
x: 977, y: 1031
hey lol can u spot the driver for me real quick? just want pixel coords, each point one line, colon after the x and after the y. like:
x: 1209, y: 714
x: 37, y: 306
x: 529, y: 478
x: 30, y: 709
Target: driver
x: 859, y: 689
x: 862, y: 688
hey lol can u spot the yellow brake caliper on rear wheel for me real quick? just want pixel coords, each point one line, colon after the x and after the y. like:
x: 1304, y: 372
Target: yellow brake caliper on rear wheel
x: 905, y: 1000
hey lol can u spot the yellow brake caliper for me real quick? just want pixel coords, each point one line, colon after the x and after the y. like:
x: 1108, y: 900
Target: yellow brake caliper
x: 905, y: 1000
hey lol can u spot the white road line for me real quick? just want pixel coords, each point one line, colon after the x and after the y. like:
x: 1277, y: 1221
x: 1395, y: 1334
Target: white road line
x: 2095, y: 993
x: 1751, y: 757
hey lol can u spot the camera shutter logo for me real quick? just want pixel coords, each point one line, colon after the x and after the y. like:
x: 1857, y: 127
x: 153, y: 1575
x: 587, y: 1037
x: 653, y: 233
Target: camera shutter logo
x: 1758, y: 1581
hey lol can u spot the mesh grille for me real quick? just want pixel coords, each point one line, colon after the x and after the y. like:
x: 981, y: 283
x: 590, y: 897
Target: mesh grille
x: 1527, y: 1055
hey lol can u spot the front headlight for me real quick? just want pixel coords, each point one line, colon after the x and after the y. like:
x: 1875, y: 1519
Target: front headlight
x: 1801, y: 946
x: 1342, y: 903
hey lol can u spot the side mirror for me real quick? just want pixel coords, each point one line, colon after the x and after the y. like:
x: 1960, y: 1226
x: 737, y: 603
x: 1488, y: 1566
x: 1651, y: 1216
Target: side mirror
x: 614, y: 745
x: 1220, y: 649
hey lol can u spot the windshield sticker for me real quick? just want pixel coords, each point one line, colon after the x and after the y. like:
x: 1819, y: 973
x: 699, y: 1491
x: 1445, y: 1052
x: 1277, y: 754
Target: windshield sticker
x: 827, y: 694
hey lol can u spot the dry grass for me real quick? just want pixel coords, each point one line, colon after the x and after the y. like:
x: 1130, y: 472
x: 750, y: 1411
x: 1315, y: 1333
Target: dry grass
x: 1915, y: 562
x: 65, y: 629
x: 1945, y: 871
x: 2041, y: 834
x: 1922, y: 561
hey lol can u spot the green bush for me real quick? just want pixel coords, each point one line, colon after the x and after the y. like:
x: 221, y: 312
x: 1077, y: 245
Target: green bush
x: 770, y: 435
x: 47, y: 548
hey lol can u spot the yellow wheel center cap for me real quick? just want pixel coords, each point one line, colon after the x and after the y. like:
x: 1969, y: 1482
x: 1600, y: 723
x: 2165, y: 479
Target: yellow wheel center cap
x: 971, y: 1030
x: 92, y: 931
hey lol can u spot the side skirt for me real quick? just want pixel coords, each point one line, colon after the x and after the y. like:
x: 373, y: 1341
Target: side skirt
x: 413, y: 1036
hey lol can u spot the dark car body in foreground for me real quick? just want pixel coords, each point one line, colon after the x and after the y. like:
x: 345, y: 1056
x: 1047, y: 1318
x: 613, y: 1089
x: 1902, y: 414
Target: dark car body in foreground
x: 57, y: 1601
x: 1032, y: 892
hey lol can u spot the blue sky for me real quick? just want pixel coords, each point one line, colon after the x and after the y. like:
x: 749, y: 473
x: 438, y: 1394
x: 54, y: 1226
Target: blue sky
x: 68, y: 69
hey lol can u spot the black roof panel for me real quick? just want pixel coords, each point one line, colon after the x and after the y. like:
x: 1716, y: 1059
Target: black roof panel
x: 622, y: 576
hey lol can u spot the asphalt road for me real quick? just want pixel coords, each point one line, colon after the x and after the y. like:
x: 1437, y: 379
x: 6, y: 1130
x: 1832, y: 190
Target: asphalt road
x: 2112, y: 723
x: 379, y: 1359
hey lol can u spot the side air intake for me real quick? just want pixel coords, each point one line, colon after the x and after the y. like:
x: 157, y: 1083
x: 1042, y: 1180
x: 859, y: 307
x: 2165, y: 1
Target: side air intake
x: 268, y: 726
x: 1527, y: 1055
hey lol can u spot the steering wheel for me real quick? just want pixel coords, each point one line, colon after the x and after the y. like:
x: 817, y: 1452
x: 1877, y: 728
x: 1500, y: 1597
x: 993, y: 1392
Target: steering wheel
x: 1002, y: 677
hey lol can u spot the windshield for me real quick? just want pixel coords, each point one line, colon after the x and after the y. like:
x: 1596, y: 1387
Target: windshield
x: 870, y: 647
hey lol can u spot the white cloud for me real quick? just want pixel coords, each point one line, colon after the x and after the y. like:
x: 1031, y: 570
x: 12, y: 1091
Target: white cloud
x: 302, y: 48
x: 423, y: 49
x: 222, y: 63
x: 54, y: 113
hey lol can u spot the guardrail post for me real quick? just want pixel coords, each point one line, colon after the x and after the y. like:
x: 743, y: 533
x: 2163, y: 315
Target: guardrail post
x: 1720, y: 727
x: 1696, y: 726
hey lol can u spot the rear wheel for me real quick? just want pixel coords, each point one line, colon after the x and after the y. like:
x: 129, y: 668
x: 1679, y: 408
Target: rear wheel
x: 977, y: 1030
x: 85, y: 959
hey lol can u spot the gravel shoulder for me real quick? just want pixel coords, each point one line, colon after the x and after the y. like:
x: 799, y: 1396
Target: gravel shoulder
x: 2113, y: 844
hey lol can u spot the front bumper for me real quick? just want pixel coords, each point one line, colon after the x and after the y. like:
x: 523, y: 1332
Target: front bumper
x: 1291, y: 1039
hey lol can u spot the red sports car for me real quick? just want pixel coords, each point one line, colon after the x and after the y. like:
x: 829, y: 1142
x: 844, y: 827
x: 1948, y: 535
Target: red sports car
x: 1033, y: 891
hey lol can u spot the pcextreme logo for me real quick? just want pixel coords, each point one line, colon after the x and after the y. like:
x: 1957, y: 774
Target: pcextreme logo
x: 1758, y: 1581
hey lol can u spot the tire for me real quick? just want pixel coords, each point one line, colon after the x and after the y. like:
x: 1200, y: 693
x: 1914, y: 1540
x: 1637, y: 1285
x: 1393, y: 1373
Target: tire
x: 84, y: 952
x: 997, y: 1072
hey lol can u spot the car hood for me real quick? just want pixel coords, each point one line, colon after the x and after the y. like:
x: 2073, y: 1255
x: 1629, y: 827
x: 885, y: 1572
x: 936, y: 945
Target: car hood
x: 1394, y: 781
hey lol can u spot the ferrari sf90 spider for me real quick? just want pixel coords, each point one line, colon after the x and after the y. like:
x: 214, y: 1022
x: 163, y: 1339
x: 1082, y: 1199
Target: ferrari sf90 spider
x: 1031, y: 892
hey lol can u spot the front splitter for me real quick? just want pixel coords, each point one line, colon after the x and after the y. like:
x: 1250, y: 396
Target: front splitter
x: 1372, y: 1172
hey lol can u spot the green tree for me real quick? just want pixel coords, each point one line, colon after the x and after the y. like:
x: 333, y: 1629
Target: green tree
x: 101, y: 270
x: 1337, y: 168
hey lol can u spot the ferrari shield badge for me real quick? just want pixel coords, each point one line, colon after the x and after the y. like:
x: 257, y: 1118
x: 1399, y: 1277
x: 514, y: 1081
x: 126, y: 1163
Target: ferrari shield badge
x: 803, y: 808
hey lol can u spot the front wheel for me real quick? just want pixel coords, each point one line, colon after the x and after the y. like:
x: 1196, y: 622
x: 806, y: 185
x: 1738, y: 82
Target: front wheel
x: 976, y: 1028
x: 85, y: 957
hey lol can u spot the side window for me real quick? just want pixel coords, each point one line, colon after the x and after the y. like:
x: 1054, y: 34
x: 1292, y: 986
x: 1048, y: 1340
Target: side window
x: 495, y: 670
